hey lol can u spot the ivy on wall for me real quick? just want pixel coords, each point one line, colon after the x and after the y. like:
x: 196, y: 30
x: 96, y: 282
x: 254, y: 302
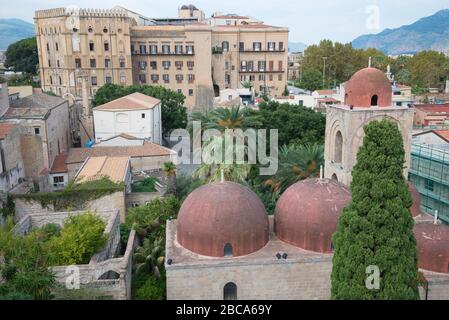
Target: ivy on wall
x: 75, y: 195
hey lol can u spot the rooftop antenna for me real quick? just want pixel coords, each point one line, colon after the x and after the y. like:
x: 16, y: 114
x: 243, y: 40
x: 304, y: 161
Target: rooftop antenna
x: 435, y: 218
x: 222, y: 176
x: 369, y: 62
x: 321, y: 172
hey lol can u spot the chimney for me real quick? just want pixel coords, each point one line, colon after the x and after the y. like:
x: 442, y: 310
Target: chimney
x: 4, y: 98
x: 435, y: 217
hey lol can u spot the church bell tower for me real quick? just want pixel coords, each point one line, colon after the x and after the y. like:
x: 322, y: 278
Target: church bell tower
x: 368, y: 97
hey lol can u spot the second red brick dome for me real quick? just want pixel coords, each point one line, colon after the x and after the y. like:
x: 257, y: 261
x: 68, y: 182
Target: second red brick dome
x: 307, y: 213
x: 368, y: 87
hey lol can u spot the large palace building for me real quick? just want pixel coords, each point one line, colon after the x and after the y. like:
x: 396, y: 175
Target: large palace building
x: 189, y: 54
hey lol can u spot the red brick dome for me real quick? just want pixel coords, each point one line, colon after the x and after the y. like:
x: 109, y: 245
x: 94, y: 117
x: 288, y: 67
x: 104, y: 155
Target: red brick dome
x: 221, y: 217
x: 368, y: 87
x: 307, y: 213
x: 416, y: 206
x: 433, y: 246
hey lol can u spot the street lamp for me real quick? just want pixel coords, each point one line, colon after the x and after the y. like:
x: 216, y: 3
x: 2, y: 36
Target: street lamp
x: 324, y: 70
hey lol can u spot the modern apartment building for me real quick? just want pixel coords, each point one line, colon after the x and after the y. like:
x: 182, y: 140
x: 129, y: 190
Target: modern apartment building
x: 429, y: 172
x: 189, y: 54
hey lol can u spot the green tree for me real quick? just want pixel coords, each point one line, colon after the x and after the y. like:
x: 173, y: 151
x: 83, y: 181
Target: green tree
x: 174, y: 113
x: 22, y: 56
x: 376, y: 229
x: 295, y: 124
x: 312, y: 79
x: 428, y: 69
x: 296, y: 163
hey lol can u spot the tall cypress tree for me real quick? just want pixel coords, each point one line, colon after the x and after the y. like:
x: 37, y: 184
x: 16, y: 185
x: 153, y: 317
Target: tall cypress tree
x: 376, y: 229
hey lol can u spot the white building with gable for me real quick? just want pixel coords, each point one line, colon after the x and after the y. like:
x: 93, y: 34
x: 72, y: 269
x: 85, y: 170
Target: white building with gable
x: 137, y: 115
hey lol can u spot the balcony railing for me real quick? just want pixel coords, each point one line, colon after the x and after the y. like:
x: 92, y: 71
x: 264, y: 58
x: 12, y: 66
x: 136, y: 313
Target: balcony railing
x: 262, y: 71
x: 137, y: 53
x: 263, y: 51
x: 217, y: 50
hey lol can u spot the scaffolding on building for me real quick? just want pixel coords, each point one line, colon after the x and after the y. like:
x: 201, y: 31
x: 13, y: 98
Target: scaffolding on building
x: 429, y: 172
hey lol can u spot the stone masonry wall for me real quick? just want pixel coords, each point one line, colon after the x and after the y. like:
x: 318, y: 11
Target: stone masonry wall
x: 308, y: 280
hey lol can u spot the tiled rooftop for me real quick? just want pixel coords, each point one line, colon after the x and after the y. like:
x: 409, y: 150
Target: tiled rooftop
x: 135, y: 101
x: 148, y: 149
x: 34, y: 106
x: 98, y: 167
x: 59, y: 165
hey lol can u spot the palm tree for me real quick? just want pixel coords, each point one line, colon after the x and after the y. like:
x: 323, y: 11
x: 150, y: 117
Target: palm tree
x: 150, y: 257
x: 226, y: 121
x: 296, y: 163
x: 226, y: 118
x: 169, y: 170
x: 213, y: 165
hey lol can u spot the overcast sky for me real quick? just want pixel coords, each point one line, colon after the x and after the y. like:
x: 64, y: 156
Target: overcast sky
x: 309, y: 20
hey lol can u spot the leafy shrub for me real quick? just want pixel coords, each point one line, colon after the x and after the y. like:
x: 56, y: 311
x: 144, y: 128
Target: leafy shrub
x: 80, y: 238
x: 147, y: 185
x: 149, y: 288
x: 151, y: 217
x: 25, y: 268
x: 49, y: 231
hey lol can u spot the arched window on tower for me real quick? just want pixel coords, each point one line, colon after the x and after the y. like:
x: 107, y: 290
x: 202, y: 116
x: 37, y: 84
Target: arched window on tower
x: 374, y: 99
x: 338, y: 151
x: 228, y: 250
x: 230, y: 291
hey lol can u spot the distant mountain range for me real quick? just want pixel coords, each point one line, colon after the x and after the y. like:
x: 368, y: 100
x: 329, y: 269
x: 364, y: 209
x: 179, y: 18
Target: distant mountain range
x: 12, y: 30
x: 430, y: 33
x: 296, y: 47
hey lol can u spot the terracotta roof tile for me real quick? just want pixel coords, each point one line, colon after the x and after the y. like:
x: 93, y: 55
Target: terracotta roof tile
x: 135, y: 101
x: 97, y: 167
x: 35, y: 106
x: 148, y: 149
x: 325, y: 92
x: 5, y: 128
x: 433, y: 108
x: 59, y: 165
x: 230, y: 17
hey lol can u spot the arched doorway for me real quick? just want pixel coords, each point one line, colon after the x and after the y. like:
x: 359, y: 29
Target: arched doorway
x: 230, y: 291
x: 338, y: 148
x: 374, y: 99
x: 216, y: 90
x: 228, y: 250
x: 334, y: 177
